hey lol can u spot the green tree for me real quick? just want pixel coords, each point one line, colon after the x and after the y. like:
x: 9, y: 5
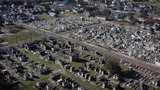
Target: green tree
x: 106, y: 12
x: 113, y: 66
x: 144, y: 14
x: 90, y: 8
x: 130, y: 15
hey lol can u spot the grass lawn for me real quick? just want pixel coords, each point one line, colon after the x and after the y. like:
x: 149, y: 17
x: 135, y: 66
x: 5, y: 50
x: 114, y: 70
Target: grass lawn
x: 92, y: 72
x: 152, y: 88
x: 21, y: 36
x: 76, y: 64
x: 148, y: 3
x: 45, y: 16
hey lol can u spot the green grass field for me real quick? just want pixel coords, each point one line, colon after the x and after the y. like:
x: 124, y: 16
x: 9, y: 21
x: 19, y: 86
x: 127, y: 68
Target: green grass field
x: 21, y: 36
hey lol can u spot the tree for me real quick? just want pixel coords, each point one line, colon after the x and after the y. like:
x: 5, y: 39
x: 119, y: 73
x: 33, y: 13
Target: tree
x: 2, y: 40
x: 90, y: 8
x: 144, y: 14
x: 132, y: 19
x: 13, y: 30
x: 19, y: 27
x: 113, y: 66
x: 130, y: 15
x: 106, y: 12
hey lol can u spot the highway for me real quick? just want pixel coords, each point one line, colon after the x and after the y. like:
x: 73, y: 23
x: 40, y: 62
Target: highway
x: 114, y: 54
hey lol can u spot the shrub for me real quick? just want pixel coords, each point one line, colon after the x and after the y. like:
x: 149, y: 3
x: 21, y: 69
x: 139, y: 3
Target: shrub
x: 113, y: 66
x: 18, y: 27
x: 2, y: 40
x: 13, y: 30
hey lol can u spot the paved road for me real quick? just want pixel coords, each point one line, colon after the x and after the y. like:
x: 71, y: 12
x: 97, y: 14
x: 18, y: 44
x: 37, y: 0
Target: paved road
x: 119, y: 56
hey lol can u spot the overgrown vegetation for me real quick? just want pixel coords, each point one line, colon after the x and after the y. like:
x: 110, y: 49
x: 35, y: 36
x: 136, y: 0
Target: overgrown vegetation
x: 19, y: 27
x: 2, y: 40
x: 113, y: 66
x: 104, y: 12
x: 21, y: 36
x: 13, y: 30
x: 16, y: 29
